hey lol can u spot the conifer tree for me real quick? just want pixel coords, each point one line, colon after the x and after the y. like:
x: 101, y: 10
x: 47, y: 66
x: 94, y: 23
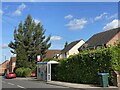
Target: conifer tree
x: 29, y: 40
x: 66, y: 43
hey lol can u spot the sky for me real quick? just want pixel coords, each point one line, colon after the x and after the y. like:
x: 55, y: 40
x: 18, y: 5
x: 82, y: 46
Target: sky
x: 64, y: 21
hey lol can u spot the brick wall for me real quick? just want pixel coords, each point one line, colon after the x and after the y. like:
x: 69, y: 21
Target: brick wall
x: 12, y: 64
x: 118, y: 80
x: 114, y: 39
x: 4, y: 66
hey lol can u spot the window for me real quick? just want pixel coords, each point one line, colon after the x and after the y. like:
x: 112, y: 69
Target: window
x: 56, y: 55
x: 99, y: 47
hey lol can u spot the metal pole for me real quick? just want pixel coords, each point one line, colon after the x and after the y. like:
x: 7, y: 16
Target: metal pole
x: 5, y: 57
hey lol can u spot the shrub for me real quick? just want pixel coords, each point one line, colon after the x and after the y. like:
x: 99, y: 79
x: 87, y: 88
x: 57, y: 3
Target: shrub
x: 27, y: 72
x: 19, y: 72
x: 23, y: 72
x: 116, y: 58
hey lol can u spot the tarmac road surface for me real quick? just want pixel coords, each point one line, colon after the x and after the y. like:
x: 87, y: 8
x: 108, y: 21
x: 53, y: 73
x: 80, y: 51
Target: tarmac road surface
x: 13, y: 84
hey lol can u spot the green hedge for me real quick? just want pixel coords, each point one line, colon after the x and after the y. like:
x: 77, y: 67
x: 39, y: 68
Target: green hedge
x: 23, y: 72
x: 116, y: 58
x: 27, y: 72
x: 84, y: 67
x: 19, y: 72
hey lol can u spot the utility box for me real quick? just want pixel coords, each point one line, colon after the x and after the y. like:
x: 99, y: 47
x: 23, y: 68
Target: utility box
x: 103, y: 79
x: 44, y: 72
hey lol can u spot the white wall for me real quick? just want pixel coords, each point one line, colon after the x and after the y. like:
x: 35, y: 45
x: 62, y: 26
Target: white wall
x: 63, y: 55
x: 73, y: 50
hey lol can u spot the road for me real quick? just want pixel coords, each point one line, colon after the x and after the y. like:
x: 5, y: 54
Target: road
x: 21, y: 83
x: 13, y: 84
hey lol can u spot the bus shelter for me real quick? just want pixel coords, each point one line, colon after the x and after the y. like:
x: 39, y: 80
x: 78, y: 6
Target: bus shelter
x: 44, y: 70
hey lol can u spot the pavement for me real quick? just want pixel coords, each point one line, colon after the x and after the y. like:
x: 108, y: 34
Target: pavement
x: 84, y: 86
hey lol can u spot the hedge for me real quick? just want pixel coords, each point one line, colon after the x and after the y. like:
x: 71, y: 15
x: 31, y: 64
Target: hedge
x: 27, y: 72
x: 84, y: 67
x: 19, y: 72
x: 23, y: 72
x: 116, y: 58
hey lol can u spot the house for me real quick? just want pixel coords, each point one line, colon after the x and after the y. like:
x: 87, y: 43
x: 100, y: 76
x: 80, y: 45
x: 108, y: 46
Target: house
x: 52, y: 54
x: 12, y: 64
x: 102, y: 39
x: 71, y: 48
x: 4, y: 66
x: 8, y: 64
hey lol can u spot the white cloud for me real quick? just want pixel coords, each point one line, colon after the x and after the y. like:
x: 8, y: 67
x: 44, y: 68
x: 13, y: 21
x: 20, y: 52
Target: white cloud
x: 36, y: 21
x: 77, y: 24
x: 22, y: 6
x: 19, y: 9
x: 1, y: 12
x: 68, y: 17
x: 105, y: 16
x: 4, y: 46
x: 113, y: 16
x: 101, y: 16
x: 111, y: 25
x: 56, y: 38
x: 17, y: 13
x: 13, y: 55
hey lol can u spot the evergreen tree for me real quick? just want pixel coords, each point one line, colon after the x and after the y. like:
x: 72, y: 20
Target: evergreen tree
x: 66, y: 43
x: 29, y: 39
x: 21, y: 60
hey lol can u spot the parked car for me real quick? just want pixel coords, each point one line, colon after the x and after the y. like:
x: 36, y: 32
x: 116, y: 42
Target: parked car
x: 10, y: 75
x: 33, y: 74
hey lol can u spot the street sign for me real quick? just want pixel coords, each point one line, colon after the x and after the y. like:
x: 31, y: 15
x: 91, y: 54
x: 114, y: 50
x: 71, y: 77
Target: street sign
x: 38, y: 58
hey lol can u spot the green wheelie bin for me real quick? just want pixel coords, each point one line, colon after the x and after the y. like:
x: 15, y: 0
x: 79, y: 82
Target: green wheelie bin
x: 103, y: 79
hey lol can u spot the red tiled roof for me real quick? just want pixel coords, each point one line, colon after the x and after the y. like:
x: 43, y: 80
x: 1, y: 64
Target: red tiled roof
x: 51, y: 53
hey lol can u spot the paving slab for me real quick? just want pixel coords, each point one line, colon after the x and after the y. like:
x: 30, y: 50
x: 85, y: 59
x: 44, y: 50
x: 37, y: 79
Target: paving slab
x: 75, y: 85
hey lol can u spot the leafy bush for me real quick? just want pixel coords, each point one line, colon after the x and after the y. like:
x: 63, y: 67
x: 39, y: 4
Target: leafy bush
x: 85, y: 66
x: 27, y: 72
x: 23, y: 72
x: 116, y: 58
x: 19, y: 72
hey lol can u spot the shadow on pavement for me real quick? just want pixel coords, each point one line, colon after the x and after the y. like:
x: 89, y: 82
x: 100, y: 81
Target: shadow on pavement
x: 59, y: 89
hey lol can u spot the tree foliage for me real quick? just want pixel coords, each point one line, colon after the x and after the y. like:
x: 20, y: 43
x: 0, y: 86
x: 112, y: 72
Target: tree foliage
x: 66, y: 43
x: 116, y: 57
x: 29, y: 41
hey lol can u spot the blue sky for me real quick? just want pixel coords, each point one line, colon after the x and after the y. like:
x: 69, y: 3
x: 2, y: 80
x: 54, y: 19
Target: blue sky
x: 64, y: 21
